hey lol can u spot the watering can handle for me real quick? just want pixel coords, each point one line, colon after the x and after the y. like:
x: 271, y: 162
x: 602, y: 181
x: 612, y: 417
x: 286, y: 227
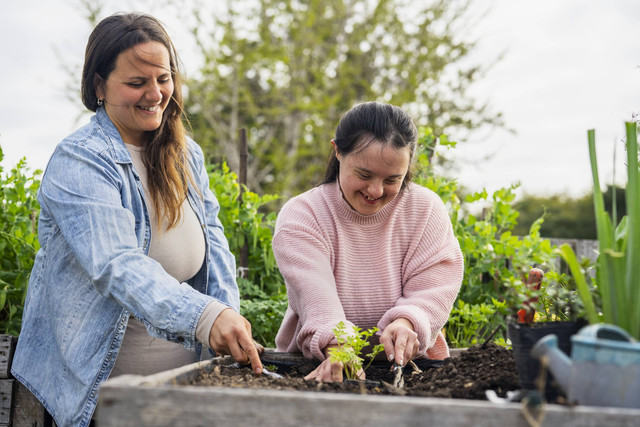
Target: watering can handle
x: 605, y: 331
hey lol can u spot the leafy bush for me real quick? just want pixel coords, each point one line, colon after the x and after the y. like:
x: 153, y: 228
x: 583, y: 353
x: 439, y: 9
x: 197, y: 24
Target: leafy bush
x: 558, y: 298
x: 469, y: 324
x: 495, y: 260
x: 265, y: 312
x: 19, y: 210
x: 262, y: 292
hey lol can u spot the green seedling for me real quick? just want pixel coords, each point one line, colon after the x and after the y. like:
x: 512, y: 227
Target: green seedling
x: 350, y: 347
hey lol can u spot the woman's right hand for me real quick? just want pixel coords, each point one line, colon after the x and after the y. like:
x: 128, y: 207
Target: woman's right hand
x: 231, y: 334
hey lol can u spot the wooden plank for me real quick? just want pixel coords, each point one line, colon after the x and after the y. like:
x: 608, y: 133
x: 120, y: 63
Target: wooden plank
x: 6, y: 395
x: 125, y: 405
x: 27, y: 410
x: 7, y: 347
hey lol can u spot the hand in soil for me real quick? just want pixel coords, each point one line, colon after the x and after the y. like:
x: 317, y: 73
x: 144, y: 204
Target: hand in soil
x: 330, y: 372
x: 400, y: 341
x: 231, y: 334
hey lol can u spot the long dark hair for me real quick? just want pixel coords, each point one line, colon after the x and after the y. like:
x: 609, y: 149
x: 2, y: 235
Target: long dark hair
x: 372, y: 122
x: 164, y: 153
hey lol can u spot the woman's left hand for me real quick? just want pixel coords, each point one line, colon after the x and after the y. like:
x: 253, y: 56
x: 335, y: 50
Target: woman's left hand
x: 400, y: 341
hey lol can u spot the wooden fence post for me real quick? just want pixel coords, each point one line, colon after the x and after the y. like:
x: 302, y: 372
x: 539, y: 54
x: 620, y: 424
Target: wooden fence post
x: 242, y: 178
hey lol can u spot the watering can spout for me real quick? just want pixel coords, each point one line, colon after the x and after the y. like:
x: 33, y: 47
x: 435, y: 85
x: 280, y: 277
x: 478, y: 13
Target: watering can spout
x: 558, y: 362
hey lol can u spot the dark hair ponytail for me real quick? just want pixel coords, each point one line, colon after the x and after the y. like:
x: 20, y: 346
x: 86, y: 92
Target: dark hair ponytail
x: 370, y: 122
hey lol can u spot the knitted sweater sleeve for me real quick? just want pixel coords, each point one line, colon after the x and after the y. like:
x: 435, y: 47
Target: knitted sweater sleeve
x: 304, y: 258
x: 432, y: 275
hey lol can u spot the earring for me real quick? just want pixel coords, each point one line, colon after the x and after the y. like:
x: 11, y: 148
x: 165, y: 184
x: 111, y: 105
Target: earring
x: 100, y: 102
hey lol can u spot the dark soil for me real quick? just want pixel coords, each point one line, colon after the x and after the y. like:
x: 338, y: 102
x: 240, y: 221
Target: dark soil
x: 467, y: 376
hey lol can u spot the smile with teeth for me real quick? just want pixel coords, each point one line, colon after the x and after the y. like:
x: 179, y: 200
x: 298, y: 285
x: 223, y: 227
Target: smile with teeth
x: 152, y: 109
x: 369, y: 198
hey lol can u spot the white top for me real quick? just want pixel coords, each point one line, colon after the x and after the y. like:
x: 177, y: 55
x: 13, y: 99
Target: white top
x: 181, y: 252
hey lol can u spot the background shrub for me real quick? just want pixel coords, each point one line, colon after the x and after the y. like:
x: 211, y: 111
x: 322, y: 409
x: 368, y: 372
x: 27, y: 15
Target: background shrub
x: 19, y: 210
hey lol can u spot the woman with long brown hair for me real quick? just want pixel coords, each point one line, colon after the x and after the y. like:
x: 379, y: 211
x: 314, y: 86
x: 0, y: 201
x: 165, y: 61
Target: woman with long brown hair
x: 134, y: 274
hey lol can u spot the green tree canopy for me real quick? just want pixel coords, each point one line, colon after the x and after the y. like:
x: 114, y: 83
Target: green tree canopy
x: 287, y: 69
x: 565, y: 217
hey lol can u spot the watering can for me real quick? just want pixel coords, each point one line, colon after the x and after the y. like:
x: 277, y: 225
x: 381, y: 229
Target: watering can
x: 604, y: 368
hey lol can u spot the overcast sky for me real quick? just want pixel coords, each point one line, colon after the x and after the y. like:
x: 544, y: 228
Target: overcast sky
x: 569, y: 66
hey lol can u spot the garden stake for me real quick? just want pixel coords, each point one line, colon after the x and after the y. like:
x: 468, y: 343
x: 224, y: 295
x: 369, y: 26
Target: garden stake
x: 493, y: 334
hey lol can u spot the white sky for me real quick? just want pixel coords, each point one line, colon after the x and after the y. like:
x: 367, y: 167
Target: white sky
x: 569, y: 66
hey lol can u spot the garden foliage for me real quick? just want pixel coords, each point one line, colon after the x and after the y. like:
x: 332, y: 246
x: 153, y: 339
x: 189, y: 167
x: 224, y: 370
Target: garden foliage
x: 496, y: 262
x: 19, y: 211
x: 350, y: 347
x: 287, y: 70
x: 263, y: 299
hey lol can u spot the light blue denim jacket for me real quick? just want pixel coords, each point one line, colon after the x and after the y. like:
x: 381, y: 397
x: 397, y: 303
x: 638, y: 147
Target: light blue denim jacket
x: 92, y: 271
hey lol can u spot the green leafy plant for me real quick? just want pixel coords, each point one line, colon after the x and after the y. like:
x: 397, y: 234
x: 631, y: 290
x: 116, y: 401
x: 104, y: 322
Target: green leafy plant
x: 558, y: 298
x: 245, y: 222
x: 617, y: 266
x: 18, y: 240
x: 350, y: 347
x: 495, y: 260
x: 263, y: 300
x: 469, y: 324
x: 265, y: 312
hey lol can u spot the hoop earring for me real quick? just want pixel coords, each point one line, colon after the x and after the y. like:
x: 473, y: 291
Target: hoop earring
x: 100, y: 102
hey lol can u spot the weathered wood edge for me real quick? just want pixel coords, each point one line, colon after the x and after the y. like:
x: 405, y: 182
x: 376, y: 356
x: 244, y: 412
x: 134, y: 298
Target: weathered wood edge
x: 166, y: 405
x: 7, y: 347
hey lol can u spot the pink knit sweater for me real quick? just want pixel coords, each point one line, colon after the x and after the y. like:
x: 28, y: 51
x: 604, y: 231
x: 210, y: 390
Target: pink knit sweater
x: 404, y: 261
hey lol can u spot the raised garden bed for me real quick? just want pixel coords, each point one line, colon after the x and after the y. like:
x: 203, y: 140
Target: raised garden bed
x: 210, y: 393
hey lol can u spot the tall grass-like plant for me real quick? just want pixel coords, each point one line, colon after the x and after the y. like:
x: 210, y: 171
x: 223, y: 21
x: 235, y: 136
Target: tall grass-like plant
x: 618, y: 265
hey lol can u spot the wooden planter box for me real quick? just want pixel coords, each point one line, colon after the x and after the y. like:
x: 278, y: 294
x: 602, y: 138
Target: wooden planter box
x: 18, y: 407
x: 166, y: 399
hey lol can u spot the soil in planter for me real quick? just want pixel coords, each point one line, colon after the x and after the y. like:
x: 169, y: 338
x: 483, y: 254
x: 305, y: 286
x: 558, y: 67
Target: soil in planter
x: 467, y: 376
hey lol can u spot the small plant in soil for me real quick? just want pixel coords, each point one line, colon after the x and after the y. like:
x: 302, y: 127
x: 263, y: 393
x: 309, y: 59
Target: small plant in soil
x: 467, y: 376
x: 350, y: 347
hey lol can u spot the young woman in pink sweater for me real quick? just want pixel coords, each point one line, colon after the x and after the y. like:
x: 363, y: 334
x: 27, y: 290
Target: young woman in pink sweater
x: 368, y: 247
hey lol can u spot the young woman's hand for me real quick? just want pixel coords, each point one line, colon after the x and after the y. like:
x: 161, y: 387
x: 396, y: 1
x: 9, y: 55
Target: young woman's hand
x: 231, y: 334
x: 400, y: 341
x: 329, y: 371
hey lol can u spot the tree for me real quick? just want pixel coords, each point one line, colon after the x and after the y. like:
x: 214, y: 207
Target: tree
x: 566, y: 217
x: 287, y: 69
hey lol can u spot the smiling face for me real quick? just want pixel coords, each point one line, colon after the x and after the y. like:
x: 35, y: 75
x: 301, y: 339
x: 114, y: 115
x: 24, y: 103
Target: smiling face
x: 138, y: 90
x: 372, y: 177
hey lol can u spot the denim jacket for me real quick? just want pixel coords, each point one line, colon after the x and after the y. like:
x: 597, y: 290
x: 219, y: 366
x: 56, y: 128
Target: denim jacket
x: 92, y: 271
